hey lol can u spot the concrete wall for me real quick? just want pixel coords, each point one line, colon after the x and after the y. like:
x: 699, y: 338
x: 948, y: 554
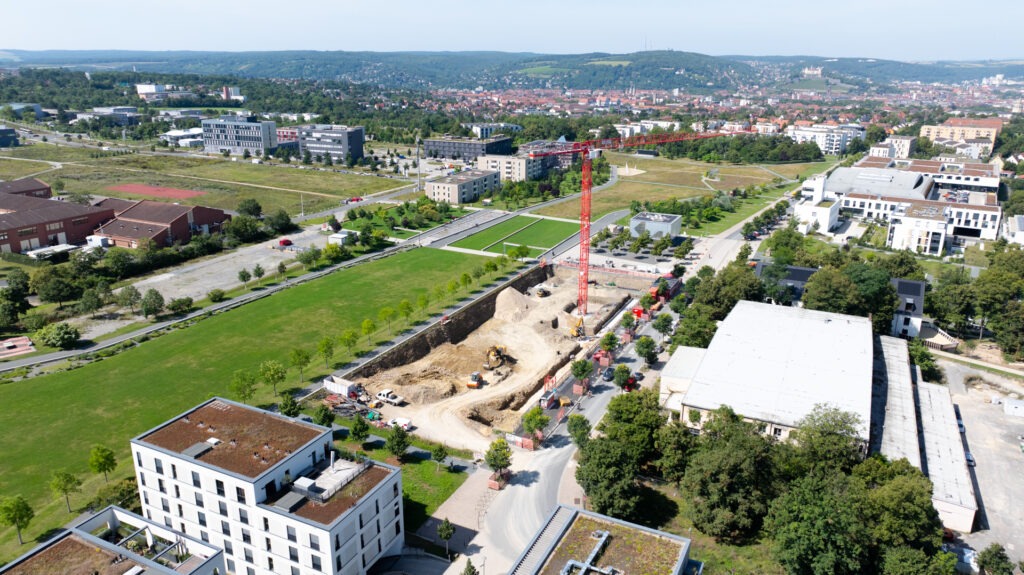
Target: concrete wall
x: 460, y: 325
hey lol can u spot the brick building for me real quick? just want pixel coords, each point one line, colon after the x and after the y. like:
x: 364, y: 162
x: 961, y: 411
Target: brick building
x: 27, y: 187
x: 160, y: 222
x: 28, y: 222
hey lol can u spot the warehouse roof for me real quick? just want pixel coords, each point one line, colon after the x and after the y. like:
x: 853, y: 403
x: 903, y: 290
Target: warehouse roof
x: 946, y: 463
x: 884, y: 182
x: 775, y: 363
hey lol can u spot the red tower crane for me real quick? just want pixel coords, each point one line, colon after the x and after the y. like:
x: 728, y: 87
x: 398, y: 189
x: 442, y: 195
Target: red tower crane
x: 586, y: 149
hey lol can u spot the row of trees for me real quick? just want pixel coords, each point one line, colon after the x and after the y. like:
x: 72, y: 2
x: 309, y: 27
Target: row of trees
x: 824, y: 508
x: 744, y: 149
x: 15, y: 511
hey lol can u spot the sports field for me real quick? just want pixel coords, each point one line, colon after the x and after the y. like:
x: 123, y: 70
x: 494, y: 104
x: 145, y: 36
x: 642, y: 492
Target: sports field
x: 520, y: 230
x: 51, y: 422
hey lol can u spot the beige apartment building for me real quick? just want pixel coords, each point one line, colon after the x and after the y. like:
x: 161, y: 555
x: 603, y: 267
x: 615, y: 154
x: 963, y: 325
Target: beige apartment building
x: 512, y: 168
x: 964, y: 129
x: 463, y: 187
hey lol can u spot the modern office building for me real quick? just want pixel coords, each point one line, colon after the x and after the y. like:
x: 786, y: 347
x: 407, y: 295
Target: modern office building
x: 486, y: 130
x: 561, y: 161
x: 338, y: 141
x: 119, y: 542
x: 513, y: 168
x: 657, y: 225
x: 269, y: 490
x: 467, y: 149
x: 583, y: 542
x: 8, y: 137
x: 236, y: 134
x: 831, y: 140
x: 463, y: 187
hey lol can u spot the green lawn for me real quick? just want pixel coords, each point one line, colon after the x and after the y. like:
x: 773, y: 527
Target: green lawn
x: 543, y: 234
x: 15, y: 169
x: 379, y: 224
x: 52, y: 421
x: 50, y: 152
x: 747, y: 208
x: 495, y: 233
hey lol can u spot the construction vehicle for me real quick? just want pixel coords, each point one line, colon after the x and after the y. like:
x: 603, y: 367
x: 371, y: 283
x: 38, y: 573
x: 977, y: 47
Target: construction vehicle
x: 577, y: 329
x: 496, y: 357
x: 542, y: 292
x: 475, y: 380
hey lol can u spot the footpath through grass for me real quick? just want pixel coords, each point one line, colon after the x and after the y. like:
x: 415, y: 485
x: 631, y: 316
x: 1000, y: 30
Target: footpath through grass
x: 51, y: 422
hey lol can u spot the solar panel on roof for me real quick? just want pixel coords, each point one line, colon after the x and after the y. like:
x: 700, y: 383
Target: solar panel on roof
x: 908, y: 288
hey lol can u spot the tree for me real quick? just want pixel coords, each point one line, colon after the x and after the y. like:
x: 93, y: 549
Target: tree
x: 644, y: 348
x: 244, y: 276
x: 282, y: 269
x: 994, y: 289
x: 729, y: 478
x: 633, y: 419
x: 397, y: 442
x: 89, y: 302
x: 63, y: 484
x: 609, y: 341
x: 216, y: 295
x: 102, y: 460
x: 272, y: 372
x: 422, y: 301
x: 299, y: 359
x: 696, y: 327
x: 445, y: 531
x: 243, y: 385
x: 817, y: 528
x: 405, y: 309
x: 993, y: 560
x: 498, y: 456
x: 628, y: 321
x: 243, y: 228
x: 250, y: 207
x: 129, y: 297
x: 307, y: 258
x: 439, y: 453
x: 621, y: 375
x: 674, y: 443
x: 386, y: 314
x: 368, y: 327
x: 60, y: 335
x: 534, y: 420
x: 663, y: 324
x: 180, y: 305
x: 118, y: 261
x: 288, y: 406
x: 258, y: 272
x: 606, y: 472
x: 16, y: 512
x: 360, y: 430
x: 279, y: 221
x: 829, y: 289
x: 323, y: 415
x: 579, y: 429
x: 325, y: 348
x: 922, y: 357
x: 348, y: 338
x: 52, y: 284
x: 828, y: 438
x: 646, y: 301
x: 469, y: 569
x: 581, y: 369
x: 152, y: 303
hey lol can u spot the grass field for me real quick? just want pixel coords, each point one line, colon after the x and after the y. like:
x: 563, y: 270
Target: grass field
x: 50, y: 152
x: 618, y: 197
x: 52, y: 421
x: 14, y: 169
x: 543, y: 234
x: 746, y: 208
x: 493, y: 234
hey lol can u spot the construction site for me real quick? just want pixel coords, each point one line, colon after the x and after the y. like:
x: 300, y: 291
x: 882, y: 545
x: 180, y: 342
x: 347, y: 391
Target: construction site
x: 464, y: 391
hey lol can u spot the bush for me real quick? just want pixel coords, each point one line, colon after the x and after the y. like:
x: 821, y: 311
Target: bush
x: 217, y: 295
x: 124, y: 493
x: 60, y: 335
x: 35, y: 321
x: 180, y: 305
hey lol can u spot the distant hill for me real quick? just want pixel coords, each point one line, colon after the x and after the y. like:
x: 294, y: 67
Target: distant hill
x: 884, y: 71
x: 664, y: 69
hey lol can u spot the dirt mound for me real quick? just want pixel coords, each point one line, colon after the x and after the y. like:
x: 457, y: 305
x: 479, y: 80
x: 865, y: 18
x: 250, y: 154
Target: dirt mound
x: 511, y: 305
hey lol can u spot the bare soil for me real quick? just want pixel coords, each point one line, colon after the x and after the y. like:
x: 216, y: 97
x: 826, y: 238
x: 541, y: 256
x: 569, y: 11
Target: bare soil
x: 533, y: 330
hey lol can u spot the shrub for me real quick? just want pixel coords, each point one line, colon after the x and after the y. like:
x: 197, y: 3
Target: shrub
x: 216, y: 295
x: 60, y: 335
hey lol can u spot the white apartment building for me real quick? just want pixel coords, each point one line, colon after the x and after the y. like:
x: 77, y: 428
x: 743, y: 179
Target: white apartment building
x: 268, y: 490
x: 1013, y: 230
x: 463, y: 187
x: 486, y: 130
x: 831, y: 140
x: 236, y: 134
x: 902, y: 146
x: 512, y: 168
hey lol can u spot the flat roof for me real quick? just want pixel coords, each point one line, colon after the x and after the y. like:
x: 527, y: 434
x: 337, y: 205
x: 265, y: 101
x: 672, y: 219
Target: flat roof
x: 595, y: 540
x: 656, y: 217
x: 894, y: 417
x: 879, y: 182
x: 464, y: 176
x: 71, y: 555
x: 491, y: 139
x: 330, y: 510
x: 776, y: 363
x: 248, y: 440
x: 945, y: 462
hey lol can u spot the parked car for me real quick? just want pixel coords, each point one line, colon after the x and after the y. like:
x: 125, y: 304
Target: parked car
x: 960, y: 424
x: 389, y: 396
x: 608, y: 374
x: 970, y: 459
x: 402, y: 422
x: 284, y: 242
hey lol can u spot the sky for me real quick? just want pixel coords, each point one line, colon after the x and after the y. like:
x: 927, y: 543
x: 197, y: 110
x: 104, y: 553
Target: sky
x: 909, y: 30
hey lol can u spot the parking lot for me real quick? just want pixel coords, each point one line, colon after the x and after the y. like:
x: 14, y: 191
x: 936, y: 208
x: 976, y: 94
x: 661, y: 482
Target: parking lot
x: 992, y: 438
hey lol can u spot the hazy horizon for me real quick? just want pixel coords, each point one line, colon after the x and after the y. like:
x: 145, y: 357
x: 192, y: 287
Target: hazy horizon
x: 912, y: 31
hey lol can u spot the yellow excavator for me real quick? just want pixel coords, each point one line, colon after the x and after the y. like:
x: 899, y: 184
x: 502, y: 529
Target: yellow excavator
x: 577, y: 329
x: 496, y: 357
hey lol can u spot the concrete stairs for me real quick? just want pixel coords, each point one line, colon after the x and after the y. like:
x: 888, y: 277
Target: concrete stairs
x: 534, y: 558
